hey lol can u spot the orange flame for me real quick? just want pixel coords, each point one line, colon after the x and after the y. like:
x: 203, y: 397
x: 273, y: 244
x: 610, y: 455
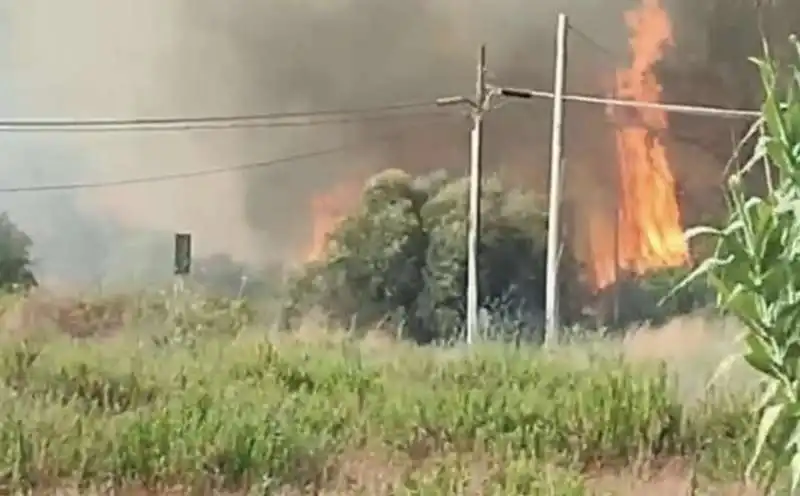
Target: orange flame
x: 649, y: 232
x: 327, y: 211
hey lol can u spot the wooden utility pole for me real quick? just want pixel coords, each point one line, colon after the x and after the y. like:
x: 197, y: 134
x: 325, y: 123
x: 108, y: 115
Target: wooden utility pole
x: 479, y: 107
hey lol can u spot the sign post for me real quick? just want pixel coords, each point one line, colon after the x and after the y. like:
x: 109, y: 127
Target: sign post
x: 182, y: 267
x: 183, y: 254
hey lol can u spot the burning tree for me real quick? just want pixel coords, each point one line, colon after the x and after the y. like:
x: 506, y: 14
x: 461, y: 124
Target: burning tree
x: 640, y: 241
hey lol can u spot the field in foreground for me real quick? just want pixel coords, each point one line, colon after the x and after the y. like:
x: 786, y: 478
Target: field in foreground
x: 324, y: 415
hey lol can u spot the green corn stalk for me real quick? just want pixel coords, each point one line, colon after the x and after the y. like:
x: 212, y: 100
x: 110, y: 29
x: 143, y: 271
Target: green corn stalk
x: 755, y: 271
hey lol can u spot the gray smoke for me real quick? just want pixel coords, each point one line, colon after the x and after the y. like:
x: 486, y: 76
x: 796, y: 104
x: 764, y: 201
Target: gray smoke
x: 95, y: 58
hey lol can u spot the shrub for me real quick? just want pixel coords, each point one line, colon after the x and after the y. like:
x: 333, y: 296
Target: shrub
x: 400, y: 258
x: 643, y: 299
x: 15, y: 258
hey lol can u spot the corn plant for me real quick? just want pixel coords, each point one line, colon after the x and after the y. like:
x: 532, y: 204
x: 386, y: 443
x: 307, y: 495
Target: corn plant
x: 755, y: 271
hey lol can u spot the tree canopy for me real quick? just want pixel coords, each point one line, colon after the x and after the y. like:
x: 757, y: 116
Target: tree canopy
x: 400, y: 258
x: 15, y: 259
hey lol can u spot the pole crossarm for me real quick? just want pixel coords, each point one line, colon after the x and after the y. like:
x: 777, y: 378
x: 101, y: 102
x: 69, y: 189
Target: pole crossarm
x: 456, y: 100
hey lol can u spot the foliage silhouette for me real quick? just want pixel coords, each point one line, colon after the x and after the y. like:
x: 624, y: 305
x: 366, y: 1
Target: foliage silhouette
x: 399, y: 259
x: 15, y: 259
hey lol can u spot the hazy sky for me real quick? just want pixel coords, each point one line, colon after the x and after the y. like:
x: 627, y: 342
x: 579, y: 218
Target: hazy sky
x: 95, y: 58
x: 101, y: 58
x: 59, y: 61
x: 73, y: 242
x: 33, y: 159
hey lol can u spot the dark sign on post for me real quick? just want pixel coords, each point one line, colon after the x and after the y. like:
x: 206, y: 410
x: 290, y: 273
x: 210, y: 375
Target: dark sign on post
x: 183, y: 254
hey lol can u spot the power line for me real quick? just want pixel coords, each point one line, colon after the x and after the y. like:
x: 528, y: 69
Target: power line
x: 221, y: 125
x: 670, y: 134
x: 594, y: 43
x: 706, y: 111
x: 202, y: 172
x: 149, y: 122
x: 673, y: 108
x: 185, y: 175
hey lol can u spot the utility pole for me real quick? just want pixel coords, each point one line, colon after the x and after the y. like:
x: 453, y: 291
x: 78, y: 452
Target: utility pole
x: 552, y: 324
x: 556, y: 180
x: 479, y: 107
x: 617, y: 262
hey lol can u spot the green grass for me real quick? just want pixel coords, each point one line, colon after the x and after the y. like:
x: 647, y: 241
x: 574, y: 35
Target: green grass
x: 283, y: 415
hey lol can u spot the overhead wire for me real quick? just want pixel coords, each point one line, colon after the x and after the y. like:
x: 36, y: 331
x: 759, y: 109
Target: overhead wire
x: 160, y: 178
x: 670, y: 134
x: 591, y: 41
x: 313, y: 118
x: 667, y: 134
x: 221, y: 125
x: 706, y: 111
x: 754, y: 116
x: 235, y: 119
x: 709, y: 111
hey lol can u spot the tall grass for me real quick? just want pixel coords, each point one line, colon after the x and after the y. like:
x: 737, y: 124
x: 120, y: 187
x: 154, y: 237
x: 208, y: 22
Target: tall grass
x: 279, y: 415
x: 189, y: 396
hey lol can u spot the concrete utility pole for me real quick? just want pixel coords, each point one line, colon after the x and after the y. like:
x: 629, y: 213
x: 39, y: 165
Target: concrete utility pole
x: 479, y: 107
x: 552, y: 324
x: 556, y: 164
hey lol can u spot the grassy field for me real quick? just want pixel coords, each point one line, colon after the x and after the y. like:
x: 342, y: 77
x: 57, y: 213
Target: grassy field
x: 317, y: 413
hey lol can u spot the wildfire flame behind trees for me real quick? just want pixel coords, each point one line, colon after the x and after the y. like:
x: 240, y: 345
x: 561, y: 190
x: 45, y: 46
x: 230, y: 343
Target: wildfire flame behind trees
x: 327, y: 210
x: 647, y: 233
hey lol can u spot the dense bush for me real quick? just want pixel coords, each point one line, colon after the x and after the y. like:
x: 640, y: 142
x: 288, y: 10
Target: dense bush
x: 643, y: 299
x: 400, y: 258
x: 15, y: 258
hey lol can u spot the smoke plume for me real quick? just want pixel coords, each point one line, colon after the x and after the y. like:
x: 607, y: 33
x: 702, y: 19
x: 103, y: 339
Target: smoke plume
x: 95, y: 58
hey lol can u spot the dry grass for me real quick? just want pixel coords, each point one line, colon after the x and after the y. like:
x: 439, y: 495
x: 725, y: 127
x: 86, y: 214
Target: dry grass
x: 673, y: 479
x: 78, y: 317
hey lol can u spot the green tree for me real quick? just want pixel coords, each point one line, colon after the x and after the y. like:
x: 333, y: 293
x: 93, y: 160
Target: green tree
x: 15, y: 258
x: 400, y: 258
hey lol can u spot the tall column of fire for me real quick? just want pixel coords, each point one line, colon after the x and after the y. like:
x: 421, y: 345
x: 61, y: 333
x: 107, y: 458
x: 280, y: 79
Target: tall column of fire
x: 648, y: 231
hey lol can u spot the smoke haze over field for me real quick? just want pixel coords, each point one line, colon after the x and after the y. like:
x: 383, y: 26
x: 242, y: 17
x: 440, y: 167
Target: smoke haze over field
x: 95, y: 58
